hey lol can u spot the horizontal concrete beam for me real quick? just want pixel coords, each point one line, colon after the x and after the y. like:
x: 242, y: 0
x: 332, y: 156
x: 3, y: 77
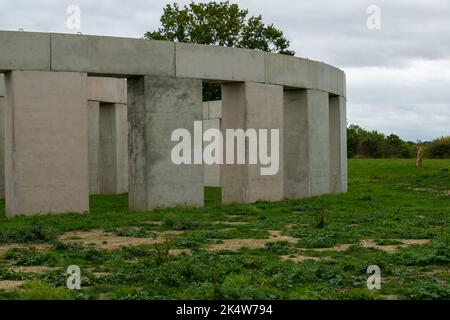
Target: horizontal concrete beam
x: 107, y: 90
x: 24, y: 51
x: 219, y: 63
x: 122, y: 57
x: 111, y: 55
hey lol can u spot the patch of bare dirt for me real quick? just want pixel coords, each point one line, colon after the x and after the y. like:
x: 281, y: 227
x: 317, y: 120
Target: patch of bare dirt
x: 10, y: 285
x: 301, y: 258
x: 438, y: 192
x: 393, y: 247
x: 230, y: 223
x: 236, y: 244
x: 104, y: 240
x: 336, y: 248
x: 372, y: 244
x: 436, y: 272
x: 232, y: 216
x: 171, y: 232
x: 152, y: 222
x: 37, y: 247
x: 32, y: 269
x: 101, y: 274
x: 390, y: 297
x: 177, y: 252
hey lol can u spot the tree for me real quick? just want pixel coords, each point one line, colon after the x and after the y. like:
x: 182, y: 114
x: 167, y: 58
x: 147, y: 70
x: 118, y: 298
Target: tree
x: 355, y: 134
x: 374, y: 144
x: 218, y: 23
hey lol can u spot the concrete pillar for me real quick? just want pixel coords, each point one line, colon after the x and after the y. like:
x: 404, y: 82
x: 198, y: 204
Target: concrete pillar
x: 2, y: 149
x: 46, y: 149
x: 108, y: 135
x: 338, y: 144
x: 94, y: 137
x: 2, y: 137
x: 212, y: 114
x: 157, y: 106
x: 112, y: 151
x: 307, y: 148
x: 257, y: 106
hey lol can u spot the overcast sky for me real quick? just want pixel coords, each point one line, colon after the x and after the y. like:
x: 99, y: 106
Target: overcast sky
x: 398, y: 76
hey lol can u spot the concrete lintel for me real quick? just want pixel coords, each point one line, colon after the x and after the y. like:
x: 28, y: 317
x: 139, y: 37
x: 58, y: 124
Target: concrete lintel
x: 112, y: 55
x: 109, y: 90
x: 24, y: 51
x: 219, y: 63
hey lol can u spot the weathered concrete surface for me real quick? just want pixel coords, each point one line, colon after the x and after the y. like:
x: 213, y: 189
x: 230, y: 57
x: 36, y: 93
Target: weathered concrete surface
x: 24, y: 51
x: 211, y: 172
x: 258, y: 106
x: 108, y: 135
x: 319, y: 141
x: 2, y: 137
x: 2, y: 148
x: 46, y: 150
x: 290, y: 71
x: 121, y: 57
x: 330, y: 79
x: 338, y: 145
x: 107, y: 90
x: 112, y: 55
x: 296, y: 148
x: 113, y: 152
x: 93, y: 145
x: 212, y: 114
x: 304, y: 73
x: 156, y: 107
x: 323, y: 137
x: 2, y: 85
x: 214, y: 109
x: 307, y: 143
x: 219, y: 63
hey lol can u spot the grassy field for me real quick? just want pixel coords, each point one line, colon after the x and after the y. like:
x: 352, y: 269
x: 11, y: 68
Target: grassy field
x: 395, y: 216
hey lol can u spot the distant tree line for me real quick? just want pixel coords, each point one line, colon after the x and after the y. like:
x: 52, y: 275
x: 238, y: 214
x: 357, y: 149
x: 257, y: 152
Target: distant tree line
x: 362, y: 143
x: 374, y: 144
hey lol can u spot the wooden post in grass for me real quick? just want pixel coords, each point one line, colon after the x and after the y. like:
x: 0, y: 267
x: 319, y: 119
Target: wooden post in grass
x: 419, y: 157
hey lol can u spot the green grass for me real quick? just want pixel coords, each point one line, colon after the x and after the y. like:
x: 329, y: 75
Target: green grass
x: 387, y: 200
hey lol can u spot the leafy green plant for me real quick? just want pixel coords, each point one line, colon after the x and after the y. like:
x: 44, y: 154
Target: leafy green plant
x: 39, y: 290
x: 321, y: 218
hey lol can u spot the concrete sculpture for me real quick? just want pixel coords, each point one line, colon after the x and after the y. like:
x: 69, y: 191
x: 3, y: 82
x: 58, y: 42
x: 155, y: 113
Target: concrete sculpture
x: 49, y: 112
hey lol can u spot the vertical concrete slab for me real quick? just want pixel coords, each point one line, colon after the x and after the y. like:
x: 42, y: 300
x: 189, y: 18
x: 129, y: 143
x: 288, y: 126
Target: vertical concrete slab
x: 156, y: 107
x: 46, y: 149
x: 2, y: 137
x: 338, y: 144
x: 319, y: 141
x: 211, y: 171
x: 112, y: 151
x: 307, y: 150
x: 256, y: 106
x: 93, y: 144
x: 296, y: 145
x: 2, y: 149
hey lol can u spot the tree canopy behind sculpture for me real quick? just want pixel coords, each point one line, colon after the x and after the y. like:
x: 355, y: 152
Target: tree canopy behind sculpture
x: 218, y: 23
